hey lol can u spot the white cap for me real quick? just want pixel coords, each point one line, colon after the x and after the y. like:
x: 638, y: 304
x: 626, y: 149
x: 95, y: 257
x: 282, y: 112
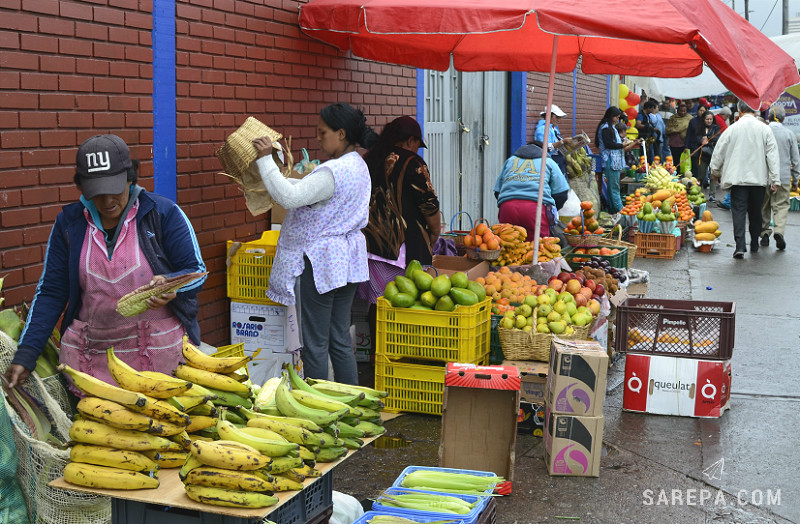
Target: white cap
x: 555, y: 110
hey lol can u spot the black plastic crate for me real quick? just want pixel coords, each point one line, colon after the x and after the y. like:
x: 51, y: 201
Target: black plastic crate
x: 308, y: 504
x: 132, y: 512
x: 678, y: 328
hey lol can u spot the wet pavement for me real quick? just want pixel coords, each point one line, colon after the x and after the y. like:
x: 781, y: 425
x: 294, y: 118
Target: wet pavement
x: 662, y: 469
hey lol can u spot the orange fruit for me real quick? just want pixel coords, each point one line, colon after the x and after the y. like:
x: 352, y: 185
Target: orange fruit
x: 481, y: 228
x: 493, y: 244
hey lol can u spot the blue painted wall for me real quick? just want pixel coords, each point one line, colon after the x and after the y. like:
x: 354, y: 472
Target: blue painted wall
x: 164, y: 107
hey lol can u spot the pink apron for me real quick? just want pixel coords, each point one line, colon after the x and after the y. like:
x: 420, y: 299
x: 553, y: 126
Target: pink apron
x: 150, y: 341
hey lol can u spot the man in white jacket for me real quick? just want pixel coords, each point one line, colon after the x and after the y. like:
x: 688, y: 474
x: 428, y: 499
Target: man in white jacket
x: 746, y: 161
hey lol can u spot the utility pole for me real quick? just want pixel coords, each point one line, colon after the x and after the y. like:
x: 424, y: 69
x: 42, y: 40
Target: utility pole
x: 785, y: 29
x: 747, y: 10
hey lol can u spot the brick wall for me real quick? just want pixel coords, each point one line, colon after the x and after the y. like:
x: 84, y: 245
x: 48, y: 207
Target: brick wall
x: 70, y: 69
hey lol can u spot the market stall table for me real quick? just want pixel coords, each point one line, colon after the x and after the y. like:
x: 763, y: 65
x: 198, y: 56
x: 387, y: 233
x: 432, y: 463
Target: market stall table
x: 171, y: 494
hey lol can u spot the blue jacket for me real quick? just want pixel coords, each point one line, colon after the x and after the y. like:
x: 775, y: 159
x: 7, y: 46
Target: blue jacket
x: 167, y: 240
x: 519, y: 178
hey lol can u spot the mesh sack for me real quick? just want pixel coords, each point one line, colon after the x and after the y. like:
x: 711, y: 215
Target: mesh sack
x: 12, y: 503
x: 41, y: 462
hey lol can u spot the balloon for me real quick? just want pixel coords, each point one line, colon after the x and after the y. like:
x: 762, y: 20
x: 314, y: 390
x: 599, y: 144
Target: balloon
x: 623, y: 104
x: 623, y: 90
x: 632, y: 133
x: 631, y: 112
x: 633, y: 99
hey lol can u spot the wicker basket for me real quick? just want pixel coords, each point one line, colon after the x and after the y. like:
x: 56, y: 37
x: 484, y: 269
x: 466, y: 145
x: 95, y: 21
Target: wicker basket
x: 238, y: 152
x: 477, y: 254
x: 619, y: 243
x: 522, y: 345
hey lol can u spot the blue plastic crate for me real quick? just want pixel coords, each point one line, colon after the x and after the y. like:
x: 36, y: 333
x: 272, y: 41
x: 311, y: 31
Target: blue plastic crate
x: 364, y: 519
x: 469, y: 518
x: 398, y: 483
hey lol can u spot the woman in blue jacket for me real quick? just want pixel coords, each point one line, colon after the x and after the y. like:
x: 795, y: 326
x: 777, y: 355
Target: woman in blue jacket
x: 117, y: 238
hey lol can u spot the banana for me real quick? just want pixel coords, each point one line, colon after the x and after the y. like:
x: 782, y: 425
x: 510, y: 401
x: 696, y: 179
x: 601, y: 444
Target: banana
x: 210, y: 379
x: 370, y: 429
x: 199, y: 422
x: 115, y: 458
x: 168, y: 459
x: 270, y: 448
x: 307, y: 454
x: 286, y: 484
x: 92, y: 476
x: 264, y: 433
x: 229, y: 497
x: 349, y: 387
x: 290, y: 407
x: 227, y: 479
x: 368, y: 401
x: 352, y: 442
x: 159, y: 409
x: 303, y: 423
x: 316, y: 401
x: 166, y: 429
x: 182, y: 439
x: 95, y: 387
x: 367, y: 414
x: 233, y: 417
x: 238, y: 375
x: 299, y: 384
x: 230, y: 399
x: 308, y: 471
x: 331, y: 454
x: 199, y: 391
x: 332, y: 442
x: 113, y: 414
x: 189, y: 464
x: 199, y: 360
x: 226, y: 457
x: 281, y: 464
x: 188, y: 403
x: 346, y: 430
x: 97, y: 433
x: 290, y: 432
x: 153, y: 384
x: 207, y: 409
x: 293, y: 474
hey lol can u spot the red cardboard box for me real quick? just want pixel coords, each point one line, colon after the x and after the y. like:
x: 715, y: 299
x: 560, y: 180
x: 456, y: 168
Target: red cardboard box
x: 479, y: 420
x: 687, y: 387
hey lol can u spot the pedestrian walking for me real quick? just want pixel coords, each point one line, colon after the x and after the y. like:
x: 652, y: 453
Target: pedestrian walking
x: 776, y: 205
x: 746, y: 161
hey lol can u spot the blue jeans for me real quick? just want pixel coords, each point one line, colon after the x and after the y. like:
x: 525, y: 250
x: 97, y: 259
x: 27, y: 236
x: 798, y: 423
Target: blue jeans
x: 612, y: 177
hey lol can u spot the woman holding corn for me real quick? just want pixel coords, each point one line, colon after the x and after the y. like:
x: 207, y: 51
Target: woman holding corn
x: 118, y: 238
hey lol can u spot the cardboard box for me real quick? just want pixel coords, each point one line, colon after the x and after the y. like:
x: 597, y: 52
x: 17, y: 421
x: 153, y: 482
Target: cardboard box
x: 269, y: 328
x: 687, y: 387
x: 268, y: 365
x: 531, y: 419
x: 532, y: 377
x: 447, y: 265
x: 576, y: 381
x: 362, y: 338
x: 479, y: 419
x: 573, y: 445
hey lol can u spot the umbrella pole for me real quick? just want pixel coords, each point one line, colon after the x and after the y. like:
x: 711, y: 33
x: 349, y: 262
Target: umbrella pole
x: 545, y: 145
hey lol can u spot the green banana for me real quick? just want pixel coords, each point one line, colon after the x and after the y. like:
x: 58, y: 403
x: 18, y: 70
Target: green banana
x: 299, y: 384
x: 303, y: 423
x: 288, y: 431
x: 290, y: 407
x: 352, y: 442
x: 315, y: 401
x: 229, y: 497
x: 370, y: 429
x: 331, y: 454
x: 270, y: 448
x: 281, y: 464
x: 348, y: 387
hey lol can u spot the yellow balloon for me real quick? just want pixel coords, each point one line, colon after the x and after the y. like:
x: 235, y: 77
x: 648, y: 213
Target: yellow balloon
x: 623, y: 90
x: 623, y: 104
x: 632, y: 133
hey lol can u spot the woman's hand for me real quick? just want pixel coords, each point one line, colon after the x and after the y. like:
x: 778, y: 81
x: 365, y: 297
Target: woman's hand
x: 263, y: 146
x: 704, y: 141
x: 17, y: 375
x: 162, y: 300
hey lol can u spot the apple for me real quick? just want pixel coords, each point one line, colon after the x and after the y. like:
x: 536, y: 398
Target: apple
x: 586, y: 292
x: 581, y: 299
x: 599, y: 290
x: 555, y: 284
x: 591, y: 284
x: 573, y: 275
x: 563, y: 277
x: 573, y: 286
x: 594, y: 307
x: 581, y: 278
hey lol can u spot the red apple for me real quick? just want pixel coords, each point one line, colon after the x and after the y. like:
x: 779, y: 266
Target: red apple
x: 600, y: 290
x: 573, y: 286
x: 555, y: 284
x: 586, y: 292
x: 563, y: 277
x: 591, y: 284
x: 581, y: 299
x: 594, y: 307
x: 573, y: 275
x: 581, y: 278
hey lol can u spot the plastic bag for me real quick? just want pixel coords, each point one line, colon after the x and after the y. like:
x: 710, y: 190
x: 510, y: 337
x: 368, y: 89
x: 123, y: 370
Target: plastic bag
x: 572, y: 207
x: 305, y: 165
x: 346, y: 509
x: 686, y: 161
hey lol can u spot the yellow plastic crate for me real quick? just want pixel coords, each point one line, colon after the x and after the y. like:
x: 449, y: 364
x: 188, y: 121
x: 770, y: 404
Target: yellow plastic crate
x: 249, y: 269
x: 232, y: 350
x: 462, y: 335
x: 412, y: 387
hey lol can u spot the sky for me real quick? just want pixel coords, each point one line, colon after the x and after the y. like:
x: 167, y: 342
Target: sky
x: 760, y: 17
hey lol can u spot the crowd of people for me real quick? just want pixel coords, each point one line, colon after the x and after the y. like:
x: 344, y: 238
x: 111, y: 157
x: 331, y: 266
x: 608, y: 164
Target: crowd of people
x: 356, y: 220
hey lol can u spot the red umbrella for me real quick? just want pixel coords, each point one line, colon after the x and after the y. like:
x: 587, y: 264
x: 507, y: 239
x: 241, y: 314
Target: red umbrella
x: 551, y: 35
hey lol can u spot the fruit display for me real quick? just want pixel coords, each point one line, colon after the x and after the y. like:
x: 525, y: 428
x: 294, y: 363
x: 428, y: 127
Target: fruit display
x: 553, y: 310
x: 695, y: 196
x: 516, y: 250
x: 659, y: 178
x: 604, y: 279
x: 505, y: 286
x: 603, y: 251
x: 585, y: 223
x: 634, y: 204
x: 417, y: 289
x: 685, y: 212
x: 578, y: 162
x: 482, y: 238
x: 706, y: 229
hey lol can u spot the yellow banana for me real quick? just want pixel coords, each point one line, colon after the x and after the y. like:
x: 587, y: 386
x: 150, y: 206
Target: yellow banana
x: 210, y: 379
x: 113, y: 414
x: 207, y: 409
x: 154, y: 384
x: 229, y: 497
x: 268, y: 447
x: 189, y: 402
x: 286, y: 484
x: 196, y: 423
x: 308, y: 471
x: 293, y: 474
x: 115, y: 458
x: 189, y: 464
x: 168, y: 459
x: 290, y: 407
x: 182, y: 439
x: 303, y: 423
x: 220, y: 456
x: 227, y: 479
x: 159, y: 409
x: 166, y: 429
x: 290, y: 432
x: 264, y: 433
x: 95, y: 387
x: 307, y: 454
x: 317, y: 401
x: 281, y: 464
x: 197, y: 359
x: 103, y: 477
x: 97, y: 433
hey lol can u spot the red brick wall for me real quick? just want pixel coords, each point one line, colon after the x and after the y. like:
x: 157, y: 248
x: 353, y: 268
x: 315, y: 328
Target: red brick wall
x: 70, y: 69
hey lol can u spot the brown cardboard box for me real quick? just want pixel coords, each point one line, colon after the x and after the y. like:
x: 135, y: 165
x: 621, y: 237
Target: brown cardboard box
x: 479, y: 420
x: 576, y: 381
x: 573, y: 445
x: 447, y: 265
x: 532, y: 377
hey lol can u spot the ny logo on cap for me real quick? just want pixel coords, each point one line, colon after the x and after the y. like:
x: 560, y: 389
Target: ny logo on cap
x: 97, y: 161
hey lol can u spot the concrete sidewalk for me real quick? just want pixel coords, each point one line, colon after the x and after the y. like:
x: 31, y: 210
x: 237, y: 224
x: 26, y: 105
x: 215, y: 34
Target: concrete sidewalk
x: 653, y: 466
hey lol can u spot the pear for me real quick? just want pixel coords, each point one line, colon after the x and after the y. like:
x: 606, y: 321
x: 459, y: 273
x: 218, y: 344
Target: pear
x: 558, y: 327
x: 559, y: 307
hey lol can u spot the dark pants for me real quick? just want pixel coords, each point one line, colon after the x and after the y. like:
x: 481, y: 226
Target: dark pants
x: 676, y: 154
x: 325, y: 324
x: 746, y: 204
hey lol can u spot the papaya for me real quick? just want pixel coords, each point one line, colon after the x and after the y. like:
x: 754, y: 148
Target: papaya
x: 705, y: 236
x: 477, y: 289
x: 463, y: 297
x: 402, y: 300
x: 440, y: 285
x: 706, y: 227
x: 662, y: 194
x: 707, y: 216
x: 407, y: 286
x: 411, y: 267
x: 422, y: 280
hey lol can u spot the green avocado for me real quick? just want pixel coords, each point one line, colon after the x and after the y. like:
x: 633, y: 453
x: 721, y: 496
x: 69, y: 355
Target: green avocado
x: 406, y: 285
x: 477, y: 289
x: 411, y: 267
x: 463, y: 297
x: 402, y: 300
